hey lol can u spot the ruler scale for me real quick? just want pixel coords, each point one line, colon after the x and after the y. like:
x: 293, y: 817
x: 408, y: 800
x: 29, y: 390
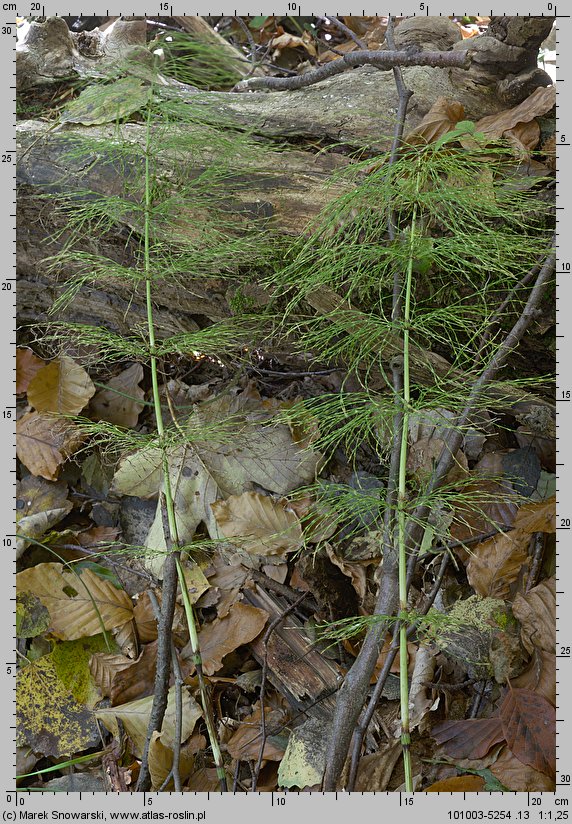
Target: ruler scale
x: 282, y: 807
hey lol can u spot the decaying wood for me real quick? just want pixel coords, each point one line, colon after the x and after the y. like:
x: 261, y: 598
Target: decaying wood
x: 295, y: 667
x: 288, y: 188
x: 357, y: 108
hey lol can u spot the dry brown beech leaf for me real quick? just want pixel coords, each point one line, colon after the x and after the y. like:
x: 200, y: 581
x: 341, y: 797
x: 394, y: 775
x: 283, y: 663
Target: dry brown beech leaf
x: 161, y: 762
x: 79, y: 604
x: 246, y: 741
x: 539, y: 516
x: 61, y: 386
x: 135, y: 719
x: 458, y: 784
x: 44, y: 442
x: 441, y: 118
x: 120, y: 403
x: 27, y: 366
x: 225, y: 585
x: 495, y: 565
x: 241, y: 625
x: 470, y: 738
x: 524, y: 137
x: 260, y: 525
x: 537, y: 104
x: 529, y: 726
x: 491, y: 506
x: 41, y: 505
x: 104, y: 666
x: 517, y: 777
x: 540, y: 675
x: 136, y: 680
x: 146, y: 622
x: 536, y: 612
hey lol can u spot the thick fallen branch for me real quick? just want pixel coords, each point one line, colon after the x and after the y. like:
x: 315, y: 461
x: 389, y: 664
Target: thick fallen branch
x: 384, y: 60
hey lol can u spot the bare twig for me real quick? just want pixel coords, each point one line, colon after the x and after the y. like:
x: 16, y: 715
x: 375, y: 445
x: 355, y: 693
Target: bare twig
x: 308, y: 373
x: 251, y: 42
x: 455, y: 436
x: 404, y: 96
x: 344, y: 29
x: 163, y: 672
x: 365, y: 720
x: 205, y: 697
x: 450, y: 687
x: 500, y: 311
x: 356, y: 684
x: 174, y: 771
x: 282, y: 589
x: 178, y: 717
x: 476, y: 705
x: 384, y: 60
x: 537, y: 545
x: 263, y: 733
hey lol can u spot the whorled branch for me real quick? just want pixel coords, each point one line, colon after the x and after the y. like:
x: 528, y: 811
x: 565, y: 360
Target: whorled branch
x: 356, y: 685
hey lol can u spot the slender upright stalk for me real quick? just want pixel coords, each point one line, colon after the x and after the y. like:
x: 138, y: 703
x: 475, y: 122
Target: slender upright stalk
x: 205, y: 698
x: 402, y: 520
x: 151, y: 329
x: 173, y: 545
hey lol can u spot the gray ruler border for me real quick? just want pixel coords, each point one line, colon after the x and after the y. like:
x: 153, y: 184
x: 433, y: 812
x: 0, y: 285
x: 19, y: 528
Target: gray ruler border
x: 211, y: 807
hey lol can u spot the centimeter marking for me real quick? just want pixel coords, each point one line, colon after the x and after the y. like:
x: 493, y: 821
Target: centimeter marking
x: 537, y: 807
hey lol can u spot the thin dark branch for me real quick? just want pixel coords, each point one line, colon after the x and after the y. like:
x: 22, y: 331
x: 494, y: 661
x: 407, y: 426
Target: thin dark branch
x: 266, y: 637
x: 443, y: 687
x: 404, y: 96
x: 384, y: 60
x: 496, y: 363
x: 174, y: 771
x: 353, y: 691
x: 178, y: 717
x: 250, y: 39
x: 163, y: 671
x: 282, y: 589
x: 500, y: 311
x: 537, y: 545
x: 345, y: 30
x: 365, y: 720
x: 355, y: 686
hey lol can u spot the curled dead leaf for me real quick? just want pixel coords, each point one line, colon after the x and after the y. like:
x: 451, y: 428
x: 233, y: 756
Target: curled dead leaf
x: 536, y: 612
x: 44, y: 442
x: 260, y: 525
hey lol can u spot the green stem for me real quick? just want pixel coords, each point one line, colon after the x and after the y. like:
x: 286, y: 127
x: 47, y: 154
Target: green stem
x: 401, y: 522
x: 198, y: 662
x: 168, y: 492
x: 151, y: 333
